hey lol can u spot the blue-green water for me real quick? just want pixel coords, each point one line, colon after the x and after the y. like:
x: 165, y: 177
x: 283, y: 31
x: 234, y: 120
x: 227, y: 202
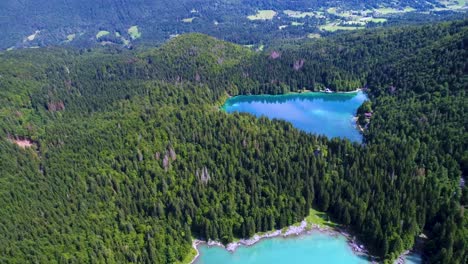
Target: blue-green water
x: 329, y: 114
x: 313, y: 248
x: 413, y: 258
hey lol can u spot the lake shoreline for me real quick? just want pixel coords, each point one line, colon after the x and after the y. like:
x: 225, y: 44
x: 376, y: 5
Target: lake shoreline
x: 347, y: 92
x: 291, y: 231
x: 305, y: 91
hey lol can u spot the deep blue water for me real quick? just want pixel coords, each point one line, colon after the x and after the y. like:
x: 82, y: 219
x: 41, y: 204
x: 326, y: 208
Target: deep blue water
x: 329, y: 114
x: 313, y: 248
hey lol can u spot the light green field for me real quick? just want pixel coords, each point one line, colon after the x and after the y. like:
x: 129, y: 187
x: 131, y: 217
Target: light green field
x: 298, y: 14
x: 125, y: 41
x: 313, y: 35
x: 263, y: 15
x: 319, y: 218
x: 362, y: 13
x: 372, y: 19
x: 451, y: 5
x: 388, y: 10
x: 354, y: 23
x: 102, y: 33
x: 188, y: 20
x: 332, y: 27
x: 134, y: 32
x: 351, y: 14
x: 332, y: 10
x: 70, y: 37
x: 354, y: 19
x: 294, y: 23
x: 117, y: 34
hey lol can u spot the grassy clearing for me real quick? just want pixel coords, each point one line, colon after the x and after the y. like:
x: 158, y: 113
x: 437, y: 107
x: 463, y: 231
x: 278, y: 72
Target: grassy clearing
x: 70, y: 37
x: 319, y: 218
x: 263, y: 15
x: 294, y: 23
x: 332, y: 10
x: 372, y: 19
x: 102, y: 33
x: 188, y: 20
x: 388, y: 10
x: 313, y: 35
x: 451, y: 5
x: 332, y: 27
x: 125, y: 41
x: 134, y: 32
x: 354, y: 23
x: 357, y: 18
x: 298, y: 14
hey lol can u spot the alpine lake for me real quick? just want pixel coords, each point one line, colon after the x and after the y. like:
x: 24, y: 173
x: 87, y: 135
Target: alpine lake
x: 328, y: 114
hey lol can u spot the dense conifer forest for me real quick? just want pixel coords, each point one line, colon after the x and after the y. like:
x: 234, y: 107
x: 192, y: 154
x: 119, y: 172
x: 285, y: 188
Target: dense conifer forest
x: 128, y: 155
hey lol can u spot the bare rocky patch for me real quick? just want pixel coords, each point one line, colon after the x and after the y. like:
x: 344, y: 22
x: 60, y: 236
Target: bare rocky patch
x: 56, y: 106
x: 22, y: 142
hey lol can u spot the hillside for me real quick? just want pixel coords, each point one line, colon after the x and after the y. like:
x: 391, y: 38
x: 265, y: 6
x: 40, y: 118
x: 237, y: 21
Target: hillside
x: 130, y: 157
x: 130, y: 23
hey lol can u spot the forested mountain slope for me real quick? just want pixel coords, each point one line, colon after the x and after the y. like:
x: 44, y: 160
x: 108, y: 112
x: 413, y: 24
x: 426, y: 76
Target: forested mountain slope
x: 131, y: 157
x: 33, y: 23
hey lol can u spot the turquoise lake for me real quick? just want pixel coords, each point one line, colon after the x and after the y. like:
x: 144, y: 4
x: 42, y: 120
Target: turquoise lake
x: 312, y: 248
x: 413, y: 258
x: 329, y: 114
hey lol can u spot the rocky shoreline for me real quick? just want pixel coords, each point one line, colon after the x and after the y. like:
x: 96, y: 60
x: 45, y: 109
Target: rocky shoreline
x: 401, y: 258
x: 301, y: 229
x: 347, y: 92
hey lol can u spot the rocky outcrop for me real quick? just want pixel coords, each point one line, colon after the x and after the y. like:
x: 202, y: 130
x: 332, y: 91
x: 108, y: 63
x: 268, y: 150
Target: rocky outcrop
x: 275, y: 55
x: 55, y: 106
x: 298, y: 64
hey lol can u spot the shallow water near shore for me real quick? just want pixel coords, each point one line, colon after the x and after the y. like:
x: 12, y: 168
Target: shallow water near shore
x: 413, y: 258
x: 316, y: 247
x: 329, y: 114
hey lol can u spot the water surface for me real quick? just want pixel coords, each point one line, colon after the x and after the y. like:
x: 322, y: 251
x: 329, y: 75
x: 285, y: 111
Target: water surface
x: 413, y: 258
x: 313, y: 248
x: 329, y: 114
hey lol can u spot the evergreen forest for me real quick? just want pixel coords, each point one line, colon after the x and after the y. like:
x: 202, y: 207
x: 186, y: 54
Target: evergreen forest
x: 128, y: 156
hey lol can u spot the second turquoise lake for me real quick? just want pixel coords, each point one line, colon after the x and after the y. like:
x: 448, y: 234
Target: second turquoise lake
x: 329, y: 114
